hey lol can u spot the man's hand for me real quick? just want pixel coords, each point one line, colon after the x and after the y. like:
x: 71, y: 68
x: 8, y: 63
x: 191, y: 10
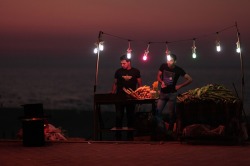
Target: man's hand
x: 163, y: 85
x: 177, y: 87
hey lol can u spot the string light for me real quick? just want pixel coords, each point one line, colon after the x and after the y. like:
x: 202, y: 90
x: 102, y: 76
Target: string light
x: 218, y: 47
x: 238, y: 50
x: 145, y: 56
x: 194, y: 50
x: 129, y: 50
x: 95, y: 50
x: 167, y: 52
x: 99, y: 47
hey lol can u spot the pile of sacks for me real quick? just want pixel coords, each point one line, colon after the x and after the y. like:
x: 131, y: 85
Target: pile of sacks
x: 51, y: 133
x: 196, y: 130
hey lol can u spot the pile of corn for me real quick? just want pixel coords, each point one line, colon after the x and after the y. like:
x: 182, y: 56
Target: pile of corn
x: 210, y: 92
x: 140, y: 93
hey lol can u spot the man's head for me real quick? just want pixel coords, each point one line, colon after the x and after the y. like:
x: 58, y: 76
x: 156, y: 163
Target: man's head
x: 171, y: 60
x: 125, y: 62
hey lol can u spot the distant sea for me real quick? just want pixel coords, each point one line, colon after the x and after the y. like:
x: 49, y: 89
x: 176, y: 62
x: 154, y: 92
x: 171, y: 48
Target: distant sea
x: 72, y: 88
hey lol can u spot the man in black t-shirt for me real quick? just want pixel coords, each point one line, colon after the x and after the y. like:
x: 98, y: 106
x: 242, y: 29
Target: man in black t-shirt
x: 125, y: 77
x: 168, y: 76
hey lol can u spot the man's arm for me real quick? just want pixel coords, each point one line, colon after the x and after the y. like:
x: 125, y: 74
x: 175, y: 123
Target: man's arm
x: 160, y: 80
x: 187, y: 81
x: 114, y: 86
x: 139, y: 82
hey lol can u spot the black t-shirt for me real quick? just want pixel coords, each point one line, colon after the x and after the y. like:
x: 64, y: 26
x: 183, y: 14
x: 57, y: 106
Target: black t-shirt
x: 170, y: 77
x: 127, y: 79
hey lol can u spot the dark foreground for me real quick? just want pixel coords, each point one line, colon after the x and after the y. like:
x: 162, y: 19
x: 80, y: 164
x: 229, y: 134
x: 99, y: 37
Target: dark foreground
x: 76, y: 153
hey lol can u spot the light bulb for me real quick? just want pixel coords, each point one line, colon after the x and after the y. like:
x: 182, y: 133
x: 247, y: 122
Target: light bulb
x: 129, y: 55
x: 95, y: 51
x: 238, y: 50
x: 218, y: 48
x: 145, y: 56
x: 168, y: 55
x: 169, y: 58
x: 101, y: 46
x: 194, y: 49
x: 194, y: 55
x: 129, y: 50
x: 167, y: 52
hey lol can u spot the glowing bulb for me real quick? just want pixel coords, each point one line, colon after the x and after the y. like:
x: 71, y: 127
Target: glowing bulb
x: 129, y: 55
x: 194, y: 49
x: 129, y: 50
x: 168, y: 55
x: 169, y: 58
x: 218, y: 47
x: 167, y: 52
x: 145, y: 57
x: 194, y: 55
x: 238, y: 50
x: 101, y: 46
x: 95, y: 51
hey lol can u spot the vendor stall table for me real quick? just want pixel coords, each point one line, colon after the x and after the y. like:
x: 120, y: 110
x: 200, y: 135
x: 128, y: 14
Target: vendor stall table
x: 111, y: 99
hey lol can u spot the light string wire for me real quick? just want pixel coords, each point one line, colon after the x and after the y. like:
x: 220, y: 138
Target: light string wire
x: 122, y: 38
x: 175, y: 41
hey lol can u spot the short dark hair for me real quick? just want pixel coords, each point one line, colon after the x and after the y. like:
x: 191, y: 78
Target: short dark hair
x: 173, y: 56
x: 124, y: 57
